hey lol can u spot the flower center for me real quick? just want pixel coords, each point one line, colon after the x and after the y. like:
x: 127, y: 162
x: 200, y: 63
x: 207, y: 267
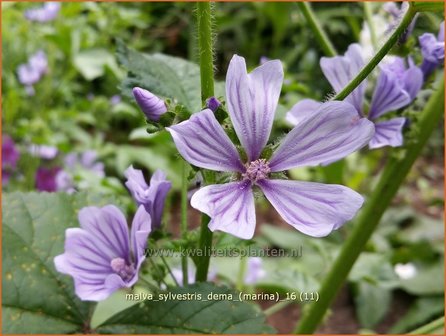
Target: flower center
x: 257, y: 170
x: 120, y: 267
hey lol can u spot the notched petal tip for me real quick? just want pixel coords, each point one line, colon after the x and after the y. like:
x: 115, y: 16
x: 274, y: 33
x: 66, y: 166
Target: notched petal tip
x: 252, y: 101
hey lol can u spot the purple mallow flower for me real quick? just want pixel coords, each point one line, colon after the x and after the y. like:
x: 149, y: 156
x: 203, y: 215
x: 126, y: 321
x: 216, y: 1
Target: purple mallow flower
x: 87, y: 160
x: 10, y: 156
x: 43, y: 151
x: 101, y: 255
x: 32, y: 71
x: 397, y: 13
x: 396, y: 87
x: 331, y: 133
x: 152, y: 106
x: 254, y: 271
x: 213, y: 104
x: 432, y: 48
x: 46, y: 178
x: 153, y: 196
x: 47, y: 12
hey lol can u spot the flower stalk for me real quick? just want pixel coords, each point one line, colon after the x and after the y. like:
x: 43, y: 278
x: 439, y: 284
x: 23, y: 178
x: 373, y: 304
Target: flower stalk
x: 184, y: 219
x: 405, y: 22
x: 389, y: 183
x: 205, y: 44
x: 319, y: 33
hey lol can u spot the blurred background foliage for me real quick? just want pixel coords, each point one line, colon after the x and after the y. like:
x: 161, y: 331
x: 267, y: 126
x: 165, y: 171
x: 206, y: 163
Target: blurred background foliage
x: 73, y: 109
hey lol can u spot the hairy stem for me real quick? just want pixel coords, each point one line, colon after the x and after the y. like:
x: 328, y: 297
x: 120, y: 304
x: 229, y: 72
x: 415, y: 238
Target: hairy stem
x: 355, y: 82
x: 204, y: 26
x: 391, y: 178
x: 319, y: 33
x: 184, y: 219
x: 205, y: 44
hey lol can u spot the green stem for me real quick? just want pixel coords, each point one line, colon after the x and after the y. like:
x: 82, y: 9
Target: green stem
x: 369, y: 19
x: 241, y: 273
x: 430, y: 328
x: 319, y: 33
x: 277, y: 307
x: 184, y: 220
x: 392, y: 177
x: 205, y: 44
x: 204, y: 245
x: 170, y: 271
x: 354, y: 83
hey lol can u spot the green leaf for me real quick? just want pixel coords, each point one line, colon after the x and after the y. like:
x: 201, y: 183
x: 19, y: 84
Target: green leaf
x: 428, y: 6
x: 427, y: 281
x: 371, y: 303
x: 36, y: 298
x: 92, y: 63
x: 165, y: 76
x: 193, y: 316
x: 421, y: 311
x: 375, y: 269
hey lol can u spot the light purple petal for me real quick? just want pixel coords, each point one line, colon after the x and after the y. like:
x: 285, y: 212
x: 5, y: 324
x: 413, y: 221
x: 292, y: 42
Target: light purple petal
x: 47, y: 12
x: 333, y: 131
x: 152, y: 197
x: 141, y: 228
x: 389, y: 95
x: 202, y: 142
x: 159, y: 187
x: 230, y: 206
x: 71, y: 160
x: 114, y: 282
x: 252, y: 101
x: 431, y: 48
x: 39, y: 62
x: 413, y: 81
x: 43, y: 151
x: 315, y: 209
x: 136, y: 183
x: 83, y: 257
x: 340, y: 70
x: 301, y: 110
x: 254, y: 271
x: 440, y: 36
x: 91, y: 290
x: 27, y: 74
x: 152, y: 106
x: 88, y: 158
x: 64, y: 182
x: 388, y: 133
x: 109, y: 228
